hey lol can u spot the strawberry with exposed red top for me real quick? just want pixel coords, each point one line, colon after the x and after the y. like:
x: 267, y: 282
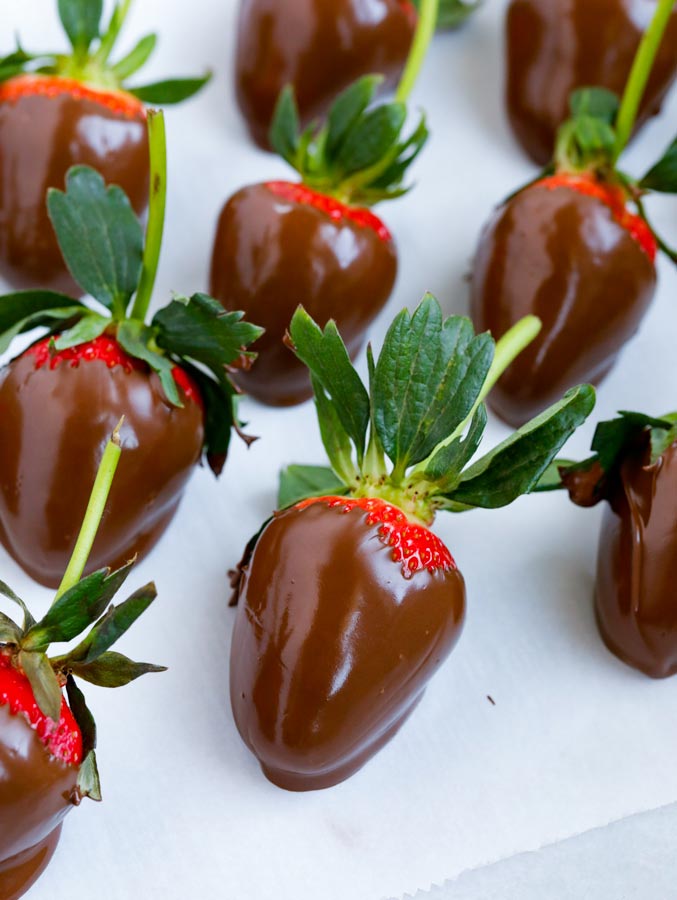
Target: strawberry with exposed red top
x: 348, y: 603
x: 47, y: 756
x: 574, y: 248
x: 170, y: 379
x: 61, y: 110
x: 318, y: 243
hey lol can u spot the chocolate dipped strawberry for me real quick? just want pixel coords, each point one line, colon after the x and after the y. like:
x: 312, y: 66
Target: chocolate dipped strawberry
x: 318, y: 243
x: 320, y: 47
x: 47, y: 743
x: 555, y: 47
x: 63, y: 395
x: 60, y: 110
x: 634, y: 470
x: 348, y: 603
x: 575, y: 249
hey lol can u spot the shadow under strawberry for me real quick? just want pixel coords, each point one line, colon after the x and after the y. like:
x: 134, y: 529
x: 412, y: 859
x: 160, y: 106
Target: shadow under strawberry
x: 61, y: 398
x: 47, y: 745
x: 348, y: 603
x: 61, y: 110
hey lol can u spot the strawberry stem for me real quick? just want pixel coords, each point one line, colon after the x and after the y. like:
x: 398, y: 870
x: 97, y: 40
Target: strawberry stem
x: 425, y: 30
x: 93, y: 514
x: 117, y: 20
x: 639, y: 75
x: 157, y: 141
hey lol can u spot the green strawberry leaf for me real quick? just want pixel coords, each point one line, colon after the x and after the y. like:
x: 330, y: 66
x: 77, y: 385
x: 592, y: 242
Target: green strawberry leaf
x: 325, y: 354
x: 88, y: 328
x: 43, y: 681
x: 10, y: 633
x: 6, y: 591
x: 100, y: 237
x: 137, y: 338
x: 136, y: 58
x: 347, y: 110
x: 595, y: 102
x: 170, y: 91
x: 219, y: 398
x: 285, y: 127
x: 445, y: 467
x: 335, y: 438
x: 89, y: 783
x: 81, y: 20
x: 663, y: 176
x: 113, y: 670
x: 83, y: 716
x: 371, y: 138
x: 24, y: 310
x: 299, y: 483
x: 612, y: 438
x: 516, y: 466
x: 551, y: 479
x: 428, y: 377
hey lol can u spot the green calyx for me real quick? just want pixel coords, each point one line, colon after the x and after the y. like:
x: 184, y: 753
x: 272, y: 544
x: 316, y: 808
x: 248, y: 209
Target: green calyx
x: 104, y: 248
x: 410, y: 437
x: 81, y: 605
x: 92, y: 43
x: 453, y: 13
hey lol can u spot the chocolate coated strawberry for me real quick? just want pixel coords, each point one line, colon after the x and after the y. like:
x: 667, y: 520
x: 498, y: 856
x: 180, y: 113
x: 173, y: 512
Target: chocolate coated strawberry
x: 635, y: 471
x: 57, y: 111
x: 47, y: 758
x: 61, y: 398
x: 557, y: 46
x: 348, y: 603
x: 575, y: 249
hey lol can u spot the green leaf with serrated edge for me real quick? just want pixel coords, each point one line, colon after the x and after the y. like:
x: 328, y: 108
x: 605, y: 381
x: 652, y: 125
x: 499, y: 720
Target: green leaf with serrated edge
x: 445, y: 467
x: 76, y: 609
x: 551, y: 479
x: 170, y: 91
x: 24, y: 310
x: 334, y: 436
x: 299, y: 483
x: 135, y: 338
x: 136, y: 58
x: 43, y: 681
x: 111, y: 626
x: 200, y: 329
x: 285, y: 127
x: 663, y: 176
x: 81, y: 20
x: 88, y: 328
x: 598, y: 103
x: 325, y: 354
x: 10, y: 633
x: 371, y: 137
x: 89, y: 783
x: 99, y: 235
x: 218, y: 398
x: 6, y: 591
x: 113, y: 670
x: 53, y: 320
x: 428, y: 377
x: 346, y: 110
x: 82, y: 714
x: 516, y: 465
x: 387, y: 184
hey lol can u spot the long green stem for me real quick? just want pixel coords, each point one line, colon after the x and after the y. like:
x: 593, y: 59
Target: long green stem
x: 117, y: 20
x: 157, y: 142
x: 95, y: 509
x: 425, y: 30
x: 640, y: 73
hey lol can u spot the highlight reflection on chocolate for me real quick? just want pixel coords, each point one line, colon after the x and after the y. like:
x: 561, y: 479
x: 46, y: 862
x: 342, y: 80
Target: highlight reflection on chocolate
x: 636, y: 598
x: 320, y: 47
x: 45, y: 484
x: 556, y: 46
x: 35, y: 797
x: 562, y: 256
x: 272, y: 254
x: 333, y: 647
x: 44, y: 130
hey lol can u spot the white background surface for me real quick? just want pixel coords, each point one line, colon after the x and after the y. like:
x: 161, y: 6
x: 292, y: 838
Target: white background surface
x: 575, y: 741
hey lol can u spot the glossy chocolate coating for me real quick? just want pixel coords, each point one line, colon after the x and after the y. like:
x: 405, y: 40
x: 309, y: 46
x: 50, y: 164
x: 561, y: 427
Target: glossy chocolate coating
x: 333, y: 647
x: 636, y: 597
x: 272, y: 254
x: 41, y: 137
x: 556, y: 46
x: 35, y: 797
x: 319, y: 46
x: 54, y: 425
x: 562, y: 256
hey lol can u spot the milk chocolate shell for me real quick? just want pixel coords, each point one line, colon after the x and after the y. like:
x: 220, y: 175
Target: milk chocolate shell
x: 636, y: 598
x: 278, y: 246
x: 333, y: 647
x: 45, y: 484
x: 47, y: 125
x: 557, y: 253
x: 556, y: 46
x: 319, y: 46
